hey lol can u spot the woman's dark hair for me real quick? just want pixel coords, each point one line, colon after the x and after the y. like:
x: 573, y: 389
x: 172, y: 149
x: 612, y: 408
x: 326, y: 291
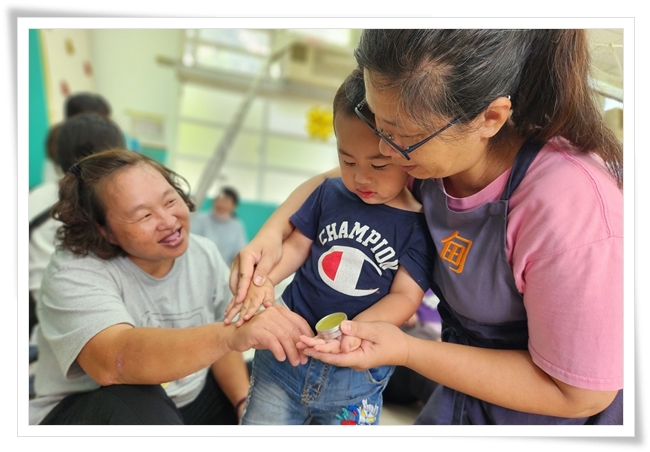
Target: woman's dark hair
x: 350, y: 94
x: 458, y: 73
x: 86, y: 102
x: 85, y: 134
x: 80, y: 207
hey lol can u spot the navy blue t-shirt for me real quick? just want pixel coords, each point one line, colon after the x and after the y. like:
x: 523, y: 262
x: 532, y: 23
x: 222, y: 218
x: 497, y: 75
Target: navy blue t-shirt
x: 355, y: 254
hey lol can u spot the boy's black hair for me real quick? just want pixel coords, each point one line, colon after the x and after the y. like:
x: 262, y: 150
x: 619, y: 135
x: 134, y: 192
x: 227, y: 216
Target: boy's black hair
x: 350, y: 94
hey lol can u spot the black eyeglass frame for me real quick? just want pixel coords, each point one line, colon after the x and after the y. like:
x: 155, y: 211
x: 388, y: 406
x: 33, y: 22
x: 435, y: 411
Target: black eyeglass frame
x: 409, y: 149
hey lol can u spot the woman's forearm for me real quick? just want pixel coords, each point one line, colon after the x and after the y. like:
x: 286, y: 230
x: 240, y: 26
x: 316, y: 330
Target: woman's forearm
x: 479, y: 372
x: 122, y: 354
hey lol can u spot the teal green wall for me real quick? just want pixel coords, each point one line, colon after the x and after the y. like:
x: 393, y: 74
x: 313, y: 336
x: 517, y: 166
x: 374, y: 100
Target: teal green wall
x: 157, y: 154
x: 38, y: 120
x: 252, y: 213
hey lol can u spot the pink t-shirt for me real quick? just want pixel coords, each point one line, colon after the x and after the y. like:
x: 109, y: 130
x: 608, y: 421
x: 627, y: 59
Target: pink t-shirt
x: 565, y: 246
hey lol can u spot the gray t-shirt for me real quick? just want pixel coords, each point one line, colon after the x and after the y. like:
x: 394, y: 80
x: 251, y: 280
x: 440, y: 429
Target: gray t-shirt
x: 81, y: 296
x: 228, y: 234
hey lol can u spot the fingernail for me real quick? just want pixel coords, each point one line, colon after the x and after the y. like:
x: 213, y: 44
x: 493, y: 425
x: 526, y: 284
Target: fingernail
x: 258, y: 280
x: 345, y: 326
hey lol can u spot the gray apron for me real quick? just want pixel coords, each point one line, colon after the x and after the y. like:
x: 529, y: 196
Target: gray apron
x: 480, y: 305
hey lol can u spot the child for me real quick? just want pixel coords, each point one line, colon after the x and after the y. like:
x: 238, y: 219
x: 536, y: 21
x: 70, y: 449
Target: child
x: 360, y: 246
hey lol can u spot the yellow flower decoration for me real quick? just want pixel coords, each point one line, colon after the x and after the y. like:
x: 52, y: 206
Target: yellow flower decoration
x: 320, y: 123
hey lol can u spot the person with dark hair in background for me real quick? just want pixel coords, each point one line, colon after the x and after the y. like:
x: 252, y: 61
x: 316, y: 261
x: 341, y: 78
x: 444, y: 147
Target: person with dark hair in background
x: 85, y: 102
x: 221, y: 224
x: 521, y: 183
x: 74, y: 104
x: 130, y: 305
x: 85, y: 134
x: 76, y: 137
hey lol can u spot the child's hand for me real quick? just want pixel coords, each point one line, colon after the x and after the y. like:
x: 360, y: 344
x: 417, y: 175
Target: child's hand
x: 255, y: 297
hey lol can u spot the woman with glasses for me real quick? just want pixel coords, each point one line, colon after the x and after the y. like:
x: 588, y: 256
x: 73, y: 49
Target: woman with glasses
x: 521, y: 184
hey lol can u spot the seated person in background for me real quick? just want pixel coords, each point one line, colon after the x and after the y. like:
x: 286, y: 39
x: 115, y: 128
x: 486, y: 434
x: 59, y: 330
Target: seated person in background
x: 84, y: 102
x: 360, y: 246
x: 221, y: 224
x: 81, y: 135
x: 130, y: 307
x: 74, y: 104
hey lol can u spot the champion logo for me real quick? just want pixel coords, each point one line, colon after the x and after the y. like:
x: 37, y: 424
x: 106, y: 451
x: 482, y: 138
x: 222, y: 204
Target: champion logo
x: 340, y: 268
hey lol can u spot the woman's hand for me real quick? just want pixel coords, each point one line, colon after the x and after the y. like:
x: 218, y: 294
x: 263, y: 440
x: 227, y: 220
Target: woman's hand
x: 381, y: 343
x: 275, y: 328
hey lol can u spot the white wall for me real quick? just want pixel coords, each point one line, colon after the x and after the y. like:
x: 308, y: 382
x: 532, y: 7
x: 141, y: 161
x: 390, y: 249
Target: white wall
x: 66, y: 54
x: 128, y: 76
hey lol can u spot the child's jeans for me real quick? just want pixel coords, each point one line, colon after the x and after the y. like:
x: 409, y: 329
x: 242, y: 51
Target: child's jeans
x: 315, y: 392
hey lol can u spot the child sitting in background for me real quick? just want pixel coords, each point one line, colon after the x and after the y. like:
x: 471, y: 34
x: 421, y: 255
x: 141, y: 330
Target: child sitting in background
x: 360, y: 246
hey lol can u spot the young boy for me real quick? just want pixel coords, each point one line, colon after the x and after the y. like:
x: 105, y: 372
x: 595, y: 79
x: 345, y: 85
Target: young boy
x: 360, y: 246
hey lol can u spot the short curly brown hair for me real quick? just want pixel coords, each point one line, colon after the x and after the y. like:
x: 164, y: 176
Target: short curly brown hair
x: 80, y: 207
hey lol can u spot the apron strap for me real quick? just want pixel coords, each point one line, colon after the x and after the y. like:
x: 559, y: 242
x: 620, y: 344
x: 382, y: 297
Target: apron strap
x: 523, y: 159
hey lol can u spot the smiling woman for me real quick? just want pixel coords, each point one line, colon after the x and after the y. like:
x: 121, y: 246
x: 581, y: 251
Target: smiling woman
x: 147, y: 205
x: 131, y: 303
x: 150, y: 227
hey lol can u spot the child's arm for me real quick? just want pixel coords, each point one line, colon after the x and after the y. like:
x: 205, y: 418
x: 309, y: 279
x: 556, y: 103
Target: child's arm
x: 260, y: 255
x: 401, y: 302
x: 295, y: 250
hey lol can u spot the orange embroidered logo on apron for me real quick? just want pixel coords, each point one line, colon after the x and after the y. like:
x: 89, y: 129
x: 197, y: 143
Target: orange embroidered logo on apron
x: 455, y: 251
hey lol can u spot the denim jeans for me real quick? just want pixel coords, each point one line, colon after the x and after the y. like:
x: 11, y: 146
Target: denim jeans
x: 315, y: 392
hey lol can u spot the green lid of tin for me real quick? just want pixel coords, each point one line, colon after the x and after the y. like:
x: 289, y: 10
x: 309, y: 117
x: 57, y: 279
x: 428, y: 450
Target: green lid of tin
x: 331, y: 322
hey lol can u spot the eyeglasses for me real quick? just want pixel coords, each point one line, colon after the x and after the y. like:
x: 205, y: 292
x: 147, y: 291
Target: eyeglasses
x: 388, y: 138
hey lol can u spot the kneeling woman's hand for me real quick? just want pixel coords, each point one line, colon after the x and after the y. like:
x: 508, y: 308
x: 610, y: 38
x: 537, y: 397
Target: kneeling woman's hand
x: 381, y: 343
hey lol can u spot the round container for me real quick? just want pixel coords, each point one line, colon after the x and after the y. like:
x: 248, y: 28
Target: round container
x: 328, y: 326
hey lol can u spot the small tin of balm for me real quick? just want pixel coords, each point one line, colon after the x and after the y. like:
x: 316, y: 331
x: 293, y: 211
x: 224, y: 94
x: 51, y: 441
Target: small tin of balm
x: 328, y: 326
